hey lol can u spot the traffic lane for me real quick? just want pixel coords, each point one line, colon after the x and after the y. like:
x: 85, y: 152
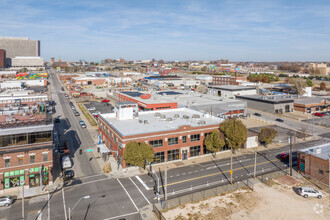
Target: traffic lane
x: 107, y: 199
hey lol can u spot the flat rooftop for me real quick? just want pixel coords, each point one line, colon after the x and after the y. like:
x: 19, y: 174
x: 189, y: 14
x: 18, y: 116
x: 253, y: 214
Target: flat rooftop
x: 232, y: 87
x: 273, y: 99
x: 311, y: 100
x: 156, y: 123
x: 323, y: 154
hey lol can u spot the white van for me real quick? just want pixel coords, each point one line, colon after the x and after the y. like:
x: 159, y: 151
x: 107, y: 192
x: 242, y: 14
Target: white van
x: 66, y: 162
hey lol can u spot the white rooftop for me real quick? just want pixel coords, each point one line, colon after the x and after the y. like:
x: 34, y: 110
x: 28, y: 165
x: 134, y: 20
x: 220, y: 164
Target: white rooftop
x: 157, y: 121
x: 321, y: 151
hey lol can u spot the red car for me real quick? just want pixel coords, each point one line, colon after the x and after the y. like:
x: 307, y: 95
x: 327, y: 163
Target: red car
x: 284, y: 156
x: 105, y: 100
x: 319, y: 114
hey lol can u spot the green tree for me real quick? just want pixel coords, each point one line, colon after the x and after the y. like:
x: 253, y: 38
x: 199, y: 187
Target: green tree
x: 323, y: 86
x: 309, y: 82
x: 137, y: 154
x: 298, y: 84
x: 235, y: 132
x: 215, y: 141
x: 266, y: 135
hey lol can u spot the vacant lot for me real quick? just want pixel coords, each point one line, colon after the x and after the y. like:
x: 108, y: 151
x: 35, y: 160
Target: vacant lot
x: 277, y: 200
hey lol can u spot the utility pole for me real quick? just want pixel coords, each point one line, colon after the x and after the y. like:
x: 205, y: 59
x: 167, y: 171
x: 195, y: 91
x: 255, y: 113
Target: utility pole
x: 69, y: 213
x: 290, y: 155
x: 23, y: 199
x: 165, y: 181
x: 231, y: 166
x: 255, y: 164
x: 313, y: 125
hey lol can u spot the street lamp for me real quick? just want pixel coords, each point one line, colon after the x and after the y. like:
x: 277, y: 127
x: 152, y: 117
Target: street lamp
x: 231, y: 162
x: 71, y: 210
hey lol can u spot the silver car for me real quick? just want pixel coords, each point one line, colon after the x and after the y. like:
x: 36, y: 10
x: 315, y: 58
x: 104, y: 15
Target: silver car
x: 6, y: 201
x: 307, y: 191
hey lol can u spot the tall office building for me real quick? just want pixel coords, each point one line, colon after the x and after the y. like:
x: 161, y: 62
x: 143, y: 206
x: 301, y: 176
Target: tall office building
x: 19, y: 46
x: 2, y: 58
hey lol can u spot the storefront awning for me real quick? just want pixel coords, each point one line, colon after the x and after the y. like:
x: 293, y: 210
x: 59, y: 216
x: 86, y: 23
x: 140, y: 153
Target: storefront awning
x: 103, y: 148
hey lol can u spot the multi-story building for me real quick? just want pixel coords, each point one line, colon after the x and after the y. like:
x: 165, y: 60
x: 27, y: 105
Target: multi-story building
x: 19, y: 46
x: 29, y: 62
x: 174, y: 134
x: 2, y: 58
x: 320, y: 68
x: 228, y: 80
x: 26, y: 144
x: 314, y: 162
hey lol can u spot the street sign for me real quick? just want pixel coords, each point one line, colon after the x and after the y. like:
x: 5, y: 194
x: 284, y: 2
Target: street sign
x: 89, y: 150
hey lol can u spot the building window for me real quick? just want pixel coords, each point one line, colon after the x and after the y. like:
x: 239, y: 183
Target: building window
x: 159, y: 157
x: 107, y: 142
x: 107, y: 132
x: 206, y: 151
x: 173, y: 155
x: 184, y: 139
x: 120, y: 146
x: 7, y: 162
x: 115, y: 140
x: 172, y: 141
x: 195, y: 137
x: 45, y: 157
x: 32, y: 158
x: 110, y: 146
x: 20, y: 161
x: 156, y: 143
x: 195, y: 151
x: 321, y: 172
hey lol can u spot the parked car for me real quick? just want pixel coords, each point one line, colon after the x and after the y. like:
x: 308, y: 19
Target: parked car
x: 91, y: 108
x: 6, y: 200
x: 257, y: 114
x: 284, y: 156
x: 82, y: 124
x: 307, y: 191
x: 76, y: 113
x: 319, y: 114
x: 279, y: 120
x: 105, y: 100
x: 62, y: 88
x: 57, y: 120
x: 68, y: 174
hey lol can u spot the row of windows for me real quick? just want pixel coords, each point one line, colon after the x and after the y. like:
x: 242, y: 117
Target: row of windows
x: 173, y: 141
x: 20, y: 160
x: 29, y: 138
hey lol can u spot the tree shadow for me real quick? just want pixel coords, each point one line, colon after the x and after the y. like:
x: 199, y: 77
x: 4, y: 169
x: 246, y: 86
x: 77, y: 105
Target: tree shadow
x: 221, y: 170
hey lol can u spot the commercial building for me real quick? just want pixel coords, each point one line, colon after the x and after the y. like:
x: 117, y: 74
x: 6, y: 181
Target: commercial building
x: 2, y: 58
x: 231, y: 91
x: 26, y: 145
x: 314, y: 162
x: 182, y: 99
x: 228, y: 80
x: 175, y: 134
x: 320, y: 68
x: 312, y: 104
x: 275, y: 104
x: 171, y: 80
x: 19, y: 46
x: 29, y: 62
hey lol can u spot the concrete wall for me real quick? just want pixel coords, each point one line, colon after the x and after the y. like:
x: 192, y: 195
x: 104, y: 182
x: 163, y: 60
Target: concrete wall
x: 268, y: 107
x: 231, y: 94
x: 27, y: 62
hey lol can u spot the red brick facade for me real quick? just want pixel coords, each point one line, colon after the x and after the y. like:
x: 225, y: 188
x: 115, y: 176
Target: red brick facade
x: 109, y: 135
x: 310, y: 108
x: 2, y: 58
x: 226, y: 80
x: 314, y: 167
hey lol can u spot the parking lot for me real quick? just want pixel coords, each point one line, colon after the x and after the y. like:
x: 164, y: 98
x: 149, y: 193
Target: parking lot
x: 103, y: 108
x: 324, y: 121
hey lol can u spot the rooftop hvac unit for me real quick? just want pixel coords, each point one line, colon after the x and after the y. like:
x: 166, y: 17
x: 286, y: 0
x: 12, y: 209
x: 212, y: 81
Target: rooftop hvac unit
x: 169, y: 119
x: 202, y: 122
x: 196, y: 116
x: 317, y: 150
x: 176, y: 116
x: 185, y: 117
x: 10, y: 119
x: 162, y: 116
x: 157, y: 115
x: 141, y: 121
x: 145, y: 122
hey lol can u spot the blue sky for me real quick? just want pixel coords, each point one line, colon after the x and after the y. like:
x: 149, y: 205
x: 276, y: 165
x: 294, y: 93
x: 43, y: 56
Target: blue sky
x: 242, y: 30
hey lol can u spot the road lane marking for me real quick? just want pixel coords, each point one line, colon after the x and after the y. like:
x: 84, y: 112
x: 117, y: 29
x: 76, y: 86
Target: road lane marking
x: 128, y: 195
x: 107, y: 178
x: 118, y: 216
x: 213, y: 174
x: 143, y: 184
x: 140, y: 190
x: 64, y: 204
x: 85, y: 177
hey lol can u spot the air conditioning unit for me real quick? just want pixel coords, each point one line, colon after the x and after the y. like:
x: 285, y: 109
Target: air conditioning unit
x: 185, y: 117
x: 145, y: 122
x: 317, y: 150
x: 169, y: 119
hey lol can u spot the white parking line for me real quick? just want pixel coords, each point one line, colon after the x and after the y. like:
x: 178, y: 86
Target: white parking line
x: 140, y: 190
x: 64, y: 204
x: 143, y: 184
x: 128, y: 194
x: 132, y: 213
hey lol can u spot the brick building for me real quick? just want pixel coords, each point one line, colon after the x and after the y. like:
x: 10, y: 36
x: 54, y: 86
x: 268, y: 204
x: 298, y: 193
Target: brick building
x: 26, y: 146
x: 312, y: 104
x: 314, y: 162
x: 2, y: 58
x: 227, y: 80
x: 175, y: 134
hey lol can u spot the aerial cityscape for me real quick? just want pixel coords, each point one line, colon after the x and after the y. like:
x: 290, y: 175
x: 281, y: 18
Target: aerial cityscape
x: 169, y: 110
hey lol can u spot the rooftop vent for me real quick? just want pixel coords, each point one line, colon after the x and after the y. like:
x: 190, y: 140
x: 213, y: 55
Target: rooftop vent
x: 169, y: 119
x: 157, y: 115
x: 176, y: 116
x: 317, y: 150
x: 185, y: 117
x: 145, y: 122
x: 141, y: 121
x: 201, y: 122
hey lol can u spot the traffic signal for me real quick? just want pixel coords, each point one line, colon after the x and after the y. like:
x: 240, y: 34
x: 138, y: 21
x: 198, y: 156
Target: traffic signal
x: 98, y: 150
x: 155, y: 190
x: 80, y: 151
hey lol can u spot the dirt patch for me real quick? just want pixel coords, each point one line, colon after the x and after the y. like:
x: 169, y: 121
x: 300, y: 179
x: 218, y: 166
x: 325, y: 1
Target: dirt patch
x: 274, y: 201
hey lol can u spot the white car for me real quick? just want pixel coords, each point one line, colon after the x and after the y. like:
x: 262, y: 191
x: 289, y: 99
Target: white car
x: 6, y: 201
x: 307, y: 191
x: 91, y: 109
